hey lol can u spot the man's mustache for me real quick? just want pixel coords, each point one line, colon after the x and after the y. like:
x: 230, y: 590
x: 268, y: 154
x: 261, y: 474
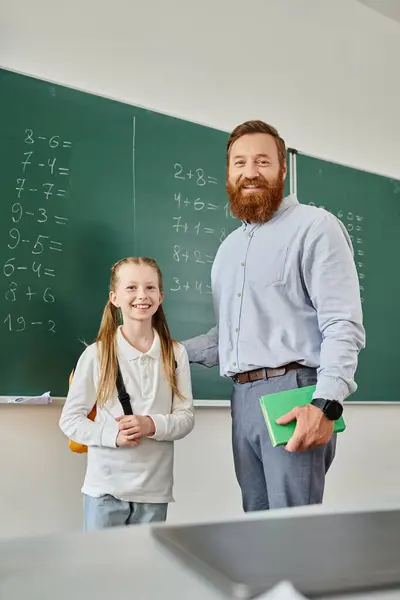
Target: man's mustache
x: 259, y: 182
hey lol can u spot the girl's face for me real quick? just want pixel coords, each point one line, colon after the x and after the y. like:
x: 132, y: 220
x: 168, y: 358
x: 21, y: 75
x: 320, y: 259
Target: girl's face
x: 137, y: 292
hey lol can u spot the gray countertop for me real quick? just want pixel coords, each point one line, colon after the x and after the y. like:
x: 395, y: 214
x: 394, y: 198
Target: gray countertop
x: 118, y: 564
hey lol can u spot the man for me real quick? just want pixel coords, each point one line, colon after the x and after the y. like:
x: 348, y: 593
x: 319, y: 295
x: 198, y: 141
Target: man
x: 288, y: 311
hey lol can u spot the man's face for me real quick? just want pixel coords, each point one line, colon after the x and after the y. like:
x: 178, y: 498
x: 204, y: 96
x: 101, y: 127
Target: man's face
x: 255, y: 178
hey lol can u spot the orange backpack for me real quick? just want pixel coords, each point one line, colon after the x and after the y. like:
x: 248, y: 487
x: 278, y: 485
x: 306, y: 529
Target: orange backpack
x: 123, y: 397
x: 74, y: 446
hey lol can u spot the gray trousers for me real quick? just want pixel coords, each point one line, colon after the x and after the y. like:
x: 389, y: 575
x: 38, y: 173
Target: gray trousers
x: 272, y: 477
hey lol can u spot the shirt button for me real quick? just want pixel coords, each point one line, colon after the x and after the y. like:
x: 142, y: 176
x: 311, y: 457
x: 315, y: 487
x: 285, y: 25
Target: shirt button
x: 236, y: 329
x: 234, y: 364
x: 242, y: 264
x: 239, y: 294
x: 249, y: 235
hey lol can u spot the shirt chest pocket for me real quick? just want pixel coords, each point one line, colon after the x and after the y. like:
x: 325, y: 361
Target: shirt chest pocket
x: 266, y: 265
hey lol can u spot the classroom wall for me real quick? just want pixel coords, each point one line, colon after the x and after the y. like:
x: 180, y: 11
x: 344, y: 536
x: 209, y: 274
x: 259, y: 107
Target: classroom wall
x: 324, y: 74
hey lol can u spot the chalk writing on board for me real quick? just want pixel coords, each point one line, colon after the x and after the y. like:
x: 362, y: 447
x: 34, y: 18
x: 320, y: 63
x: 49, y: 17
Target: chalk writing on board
x: 196, y: 203
x: 354, y: 224
x: 197, y: 256
x: 198, y: 175
x: 201, y: 219
x: 183, y: 201
x: 198, y: 286
x: 41, y: 190
x: 19, y: 324
x: 182, y: 226
x: 14, y: 290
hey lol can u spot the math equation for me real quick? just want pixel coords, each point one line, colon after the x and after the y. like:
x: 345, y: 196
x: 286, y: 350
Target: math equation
x: 38, y: 218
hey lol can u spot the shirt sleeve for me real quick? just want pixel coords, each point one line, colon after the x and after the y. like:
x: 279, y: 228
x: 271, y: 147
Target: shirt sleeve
x: 331, y: 279
x: 203, y: 349
x: 81, y: 398
x: 180, y: 421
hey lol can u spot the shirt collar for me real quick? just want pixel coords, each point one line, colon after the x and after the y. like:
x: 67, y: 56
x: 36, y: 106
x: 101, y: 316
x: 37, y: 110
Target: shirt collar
x: 131, y: 353
x: 287, y: 202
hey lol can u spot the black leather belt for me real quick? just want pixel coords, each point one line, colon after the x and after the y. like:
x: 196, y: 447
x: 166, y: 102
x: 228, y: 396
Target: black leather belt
x: 265, y: 373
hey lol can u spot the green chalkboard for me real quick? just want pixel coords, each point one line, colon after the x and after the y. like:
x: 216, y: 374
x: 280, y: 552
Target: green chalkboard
x: 86, y: 180
x: 369, y: 206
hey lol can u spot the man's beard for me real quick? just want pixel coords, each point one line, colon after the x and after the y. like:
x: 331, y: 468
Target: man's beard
x: 258, y: 206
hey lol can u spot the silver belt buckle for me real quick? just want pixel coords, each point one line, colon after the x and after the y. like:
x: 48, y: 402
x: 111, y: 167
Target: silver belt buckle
x: 278, y: 372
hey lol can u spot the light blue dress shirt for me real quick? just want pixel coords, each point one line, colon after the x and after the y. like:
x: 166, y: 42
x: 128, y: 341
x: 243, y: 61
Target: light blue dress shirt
x: 287, y: 290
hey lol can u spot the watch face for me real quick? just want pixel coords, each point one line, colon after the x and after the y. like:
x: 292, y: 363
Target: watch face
x: 334, y: 410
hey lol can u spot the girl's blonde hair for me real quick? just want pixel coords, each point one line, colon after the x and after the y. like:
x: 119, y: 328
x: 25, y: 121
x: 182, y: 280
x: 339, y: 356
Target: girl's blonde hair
x: 107, y: 339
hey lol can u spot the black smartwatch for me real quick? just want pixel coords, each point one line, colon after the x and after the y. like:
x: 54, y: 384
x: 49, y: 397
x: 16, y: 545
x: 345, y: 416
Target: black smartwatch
x: 331, y: 408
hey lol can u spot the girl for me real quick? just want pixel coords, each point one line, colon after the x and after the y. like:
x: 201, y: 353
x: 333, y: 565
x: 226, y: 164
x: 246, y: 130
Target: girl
x: 129, y: 476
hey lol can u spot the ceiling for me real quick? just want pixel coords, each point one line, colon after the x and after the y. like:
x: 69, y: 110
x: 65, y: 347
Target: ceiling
x: 388, y: 8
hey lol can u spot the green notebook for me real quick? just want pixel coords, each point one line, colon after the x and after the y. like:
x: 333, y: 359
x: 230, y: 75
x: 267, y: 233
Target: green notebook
x: 274, y: 406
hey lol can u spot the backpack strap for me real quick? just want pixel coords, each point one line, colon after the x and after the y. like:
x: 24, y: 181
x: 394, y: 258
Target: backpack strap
x: 123, y: 395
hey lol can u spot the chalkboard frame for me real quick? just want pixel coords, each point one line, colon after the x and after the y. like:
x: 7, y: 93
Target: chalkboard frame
x: 293, y: 184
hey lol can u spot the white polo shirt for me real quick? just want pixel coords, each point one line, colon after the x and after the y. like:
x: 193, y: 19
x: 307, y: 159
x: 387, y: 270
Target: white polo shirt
x: 142, y: 473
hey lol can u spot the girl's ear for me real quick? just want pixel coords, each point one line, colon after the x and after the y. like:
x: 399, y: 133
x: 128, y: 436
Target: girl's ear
x: 161, y: 297
x: 113, y: 299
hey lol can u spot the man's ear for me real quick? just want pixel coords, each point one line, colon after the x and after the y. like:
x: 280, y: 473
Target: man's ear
x: 284, y: 170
